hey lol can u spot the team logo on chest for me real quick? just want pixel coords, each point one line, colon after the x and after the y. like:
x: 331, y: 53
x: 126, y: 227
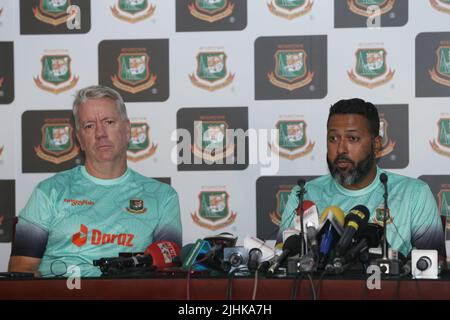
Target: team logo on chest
x: 291, y: 68
x: 371, y: 68
x: 441, y: 145
x: 379, y: 216
x: 54, y: 12
x: 360, y: 7
x: 140, y: 146
x: 57, y: 141
x: 387, y: 145
x: 214, y: 210
x: 290, y: 9
x: 133, y: 10
x: 211, y: 10
x: 441, y: 72
x: 292, y: 141
x: 282, y: 197
x: 136, y: 206
x: 441, y: 5
x: 212, y: 72
x: 56, y: 75
x: 134, y: 74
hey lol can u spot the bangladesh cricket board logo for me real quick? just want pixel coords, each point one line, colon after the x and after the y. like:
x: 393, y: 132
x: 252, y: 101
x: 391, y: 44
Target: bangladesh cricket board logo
x: 134, y: 73
x: 1, y: 11
x: 361, y: 7
x: 441, y: 145
x: 212, y: 73
x: 290, y: 9
x: 57, y: 143
x: 55, y: 12
x: 282, y: 197
x: 214, y: 211
x: 140, y: 146
x: 56, y: 75
x: 371, y: 68
x: 1, y: 150
x: 211, y: 140
x: 133, y: 11
x: 211, y: 10
x: 441, y: 72
x: 441, y: 5
x: 379, y: 216
x: 387, y: 145
x: 292, y: 141
x: 444, y: 201
x: 291, y: 69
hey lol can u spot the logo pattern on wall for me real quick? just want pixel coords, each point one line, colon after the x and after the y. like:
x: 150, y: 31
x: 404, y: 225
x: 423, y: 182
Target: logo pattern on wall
x: 290, y: 9
x: 355, y: 13
x: 441, y: 144
x: 211, y: 71
x: 141, y: 144
x: 212, y: 147
x: 441, y: 5
x: 56, y: 72
x: 433, y: 64
x: 211, y: 15
x: 293, y: 67
x: 138, y: 69
x: 6, y: 72
x: 214, y: 210
x: 272, y: 194
x: 292, y: 140
x: 440, y: 187
x: 48, y: 141
x: 55, y: 16
x: 394, y: 132
x: 133, y: 11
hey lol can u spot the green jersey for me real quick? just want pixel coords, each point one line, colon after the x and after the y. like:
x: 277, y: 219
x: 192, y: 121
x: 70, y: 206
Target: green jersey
x: 414, y: 218
x: 86, y: 218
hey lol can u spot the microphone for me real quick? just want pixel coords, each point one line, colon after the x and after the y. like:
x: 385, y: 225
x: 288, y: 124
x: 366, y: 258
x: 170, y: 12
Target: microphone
x: 291, y: 247
x: 355, y: 222
x: 310, y: 223
x: 115, y: 265
x: 254, y: 256
x: 384, y: 179
x: 163, y: 253
x: 331, y: 228
x: 258, y: 252
x: 369, y: 238
x: 301, y: 194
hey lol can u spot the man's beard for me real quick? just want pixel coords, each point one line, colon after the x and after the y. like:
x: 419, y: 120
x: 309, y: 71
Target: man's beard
x: 357, y: 173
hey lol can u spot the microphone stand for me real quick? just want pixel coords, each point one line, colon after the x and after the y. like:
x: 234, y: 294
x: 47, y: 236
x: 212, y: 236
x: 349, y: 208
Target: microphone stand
x: 301, y: 194
x: 387, y: 266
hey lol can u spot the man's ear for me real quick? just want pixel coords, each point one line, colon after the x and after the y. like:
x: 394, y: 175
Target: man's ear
x: 377, y: 144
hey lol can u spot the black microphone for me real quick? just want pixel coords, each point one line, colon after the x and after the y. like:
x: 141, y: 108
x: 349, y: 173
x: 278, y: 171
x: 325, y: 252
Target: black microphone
x: 107, y: 265
x: 369, y: 238
x: 355, y: 222
x: 254, y: 256
x: 384, y: 179
x: 301, y: 194
x: 291, y: 247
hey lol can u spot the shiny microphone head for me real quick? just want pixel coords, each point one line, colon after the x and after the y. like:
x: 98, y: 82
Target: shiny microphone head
x: 163, y: 253
x: 383, y: 178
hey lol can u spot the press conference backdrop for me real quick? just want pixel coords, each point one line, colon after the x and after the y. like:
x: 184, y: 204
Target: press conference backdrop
x: 210, y: 65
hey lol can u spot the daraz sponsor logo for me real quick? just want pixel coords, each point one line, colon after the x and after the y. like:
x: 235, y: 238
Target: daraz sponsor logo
x: 98, y: 238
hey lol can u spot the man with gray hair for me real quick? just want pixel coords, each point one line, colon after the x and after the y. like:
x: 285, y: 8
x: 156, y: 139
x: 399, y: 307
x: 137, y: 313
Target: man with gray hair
x: 97, y: 210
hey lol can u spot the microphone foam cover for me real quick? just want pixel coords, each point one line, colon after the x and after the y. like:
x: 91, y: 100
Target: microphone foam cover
x: 163, y: 253
x: 294, y: 244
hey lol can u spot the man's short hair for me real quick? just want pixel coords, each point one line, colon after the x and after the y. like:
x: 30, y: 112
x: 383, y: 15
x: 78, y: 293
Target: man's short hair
x: 97, y: 92
x: 361, y: 107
